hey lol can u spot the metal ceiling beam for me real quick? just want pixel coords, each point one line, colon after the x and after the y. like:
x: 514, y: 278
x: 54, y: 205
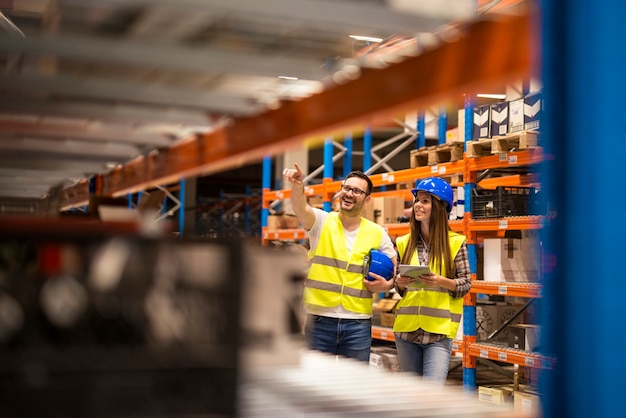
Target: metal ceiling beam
x: 101, y: 89
x: 85, y: 131
x: 70, y: 148
x: 164, y: 57
x: 329, y: 13
x: 58, y: 166
x: 492, y: 53
x: 34, y: 173
x: 120, y: 113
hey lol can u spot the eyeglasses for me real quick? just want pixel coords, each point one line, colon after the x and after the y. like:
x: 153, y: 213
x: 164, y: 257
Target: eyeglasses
x: 355, y: 191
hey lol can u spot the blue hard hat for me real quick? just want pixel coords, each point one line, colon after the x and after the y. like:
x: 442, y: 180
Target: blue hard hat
x: 438, y: 188
x: 380, y: 264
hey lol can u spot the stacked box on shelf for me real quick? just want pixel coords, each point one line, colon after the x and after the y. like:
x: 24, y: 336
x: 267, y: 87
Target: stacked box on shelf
x: 481, y: 122
x: 384, y: 210
x: 489, y: 317
x: 533, y: 105
x: 499, y: 119
x: 516, y: 115
x: 513, y: 260
x: 524, y: 337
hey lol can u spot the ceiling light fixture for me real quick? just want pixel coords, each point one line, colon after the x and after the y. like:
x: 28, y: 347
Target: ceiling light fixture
x: 491, y: 96
x: 366, y: 38
x: 285, y: 77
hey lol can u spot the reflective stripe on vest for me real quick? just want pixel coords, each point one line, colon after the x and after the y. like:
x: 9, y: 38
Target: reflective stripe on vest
x: 326, y: 261
x: 431, y: 309
x: 335, y: 277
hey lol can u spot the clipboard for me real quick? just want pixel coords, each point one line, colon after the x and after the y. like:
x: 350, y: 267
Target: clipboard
x: 415, y: 272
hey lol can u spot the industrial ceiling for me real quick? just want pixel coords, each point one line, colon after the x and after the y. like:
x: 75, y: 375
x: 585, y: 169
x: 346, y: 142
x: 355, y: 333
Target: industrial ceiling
x: 89, y: 85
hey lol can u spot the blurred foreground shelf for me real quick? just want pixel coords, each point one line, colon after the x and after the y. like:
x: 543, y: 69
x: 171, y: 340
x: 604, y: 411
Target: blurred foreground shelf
x: 325, y: 386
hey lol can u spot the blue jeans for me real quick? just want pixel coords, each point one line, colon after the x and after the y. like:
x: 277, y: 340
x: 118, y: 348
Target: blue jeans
x: 429, y: 360
x: 345, y: 337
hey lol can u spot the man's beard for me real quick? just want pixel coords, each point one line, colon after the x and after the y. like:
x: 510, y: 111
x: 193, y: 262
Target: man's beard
x: 355, y: 209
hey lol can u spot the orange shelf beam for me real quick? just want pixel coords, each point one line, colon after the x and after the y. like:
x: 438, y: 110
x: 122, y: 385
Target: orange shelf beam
x: 526, y: 180
x: 383, y: 333
x: 503, y: 224
x: 344, y: 107
x: 526, y: 290
x: 282, y: 234
x: 510, y: 355
x: 503, y: 160
x: 397, y: 230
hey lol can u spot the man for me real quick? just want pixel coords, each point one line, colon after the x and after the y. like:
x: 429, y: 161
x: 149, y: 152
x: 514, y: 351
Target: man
x: 337, y: 296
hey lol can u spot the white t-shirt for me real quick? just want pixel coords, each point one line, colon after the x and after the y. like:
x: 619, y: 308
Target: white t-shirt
x: 314, y: 235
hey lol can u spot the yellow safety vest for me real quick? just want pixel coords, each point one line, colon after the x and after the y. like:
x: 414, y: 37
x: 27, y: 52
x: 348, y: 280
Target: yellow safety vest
x: 431, y: 309
x: 336, y: 277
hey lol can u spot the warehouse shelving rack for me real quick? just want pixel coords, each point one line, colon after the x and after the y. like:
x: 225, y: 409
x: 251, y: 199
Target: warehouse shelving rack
x: 584, y: 67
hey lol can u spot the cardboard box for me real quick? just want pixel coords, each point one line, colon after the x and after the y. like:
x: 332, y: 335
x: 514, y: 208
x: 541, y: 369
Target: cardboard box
x: 390, y: 360
x: 452, y: 136
x: 516, y: 115
x: 481, y: 122
x: 524, y: 337
x: 512, y: 259
x: 384, y: 312
x: 495, y: 394
x: 376, y: 361
x: 526, y: 404
x: 487, y: 320
x: 384, y: 359
x: 499, y: 119
x: 533, y: 105
x: 384, y: 210
x: 490, y: 316
x: 275, y: 222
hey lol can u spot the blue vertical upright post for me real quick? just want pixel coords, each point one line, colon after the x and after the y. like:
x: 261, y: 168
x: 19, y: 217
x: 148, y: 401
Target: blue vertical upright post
x: 181, y: 210
x: 468, y: 127
x: 443, y: 126
x: 266, y: 184
x: 129, y: 197
x: 347, y: 157
x: 367, y: 148
x: 421, y: 130
x: 583, y: 129
x: 469, y: 312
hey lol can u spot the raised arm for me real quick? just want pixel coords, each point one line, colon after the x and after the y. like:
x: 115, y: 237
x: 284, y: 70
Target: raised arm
x: 301, y: 208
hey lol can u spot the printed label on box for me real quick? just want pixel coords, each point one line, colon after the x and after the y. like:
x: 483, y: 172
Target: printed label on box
x: 516, y: 115
x: 499, y: 118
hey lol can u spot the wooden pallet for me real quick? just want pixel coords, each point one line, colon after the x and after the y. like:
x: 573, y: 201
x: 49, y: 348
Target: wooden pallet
x: 488, y: 146
x: 436, y: 154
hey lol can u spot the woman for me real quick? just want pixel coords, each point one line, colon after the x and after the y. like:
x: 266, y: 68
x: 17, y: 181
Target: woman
x: 428, y: 316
